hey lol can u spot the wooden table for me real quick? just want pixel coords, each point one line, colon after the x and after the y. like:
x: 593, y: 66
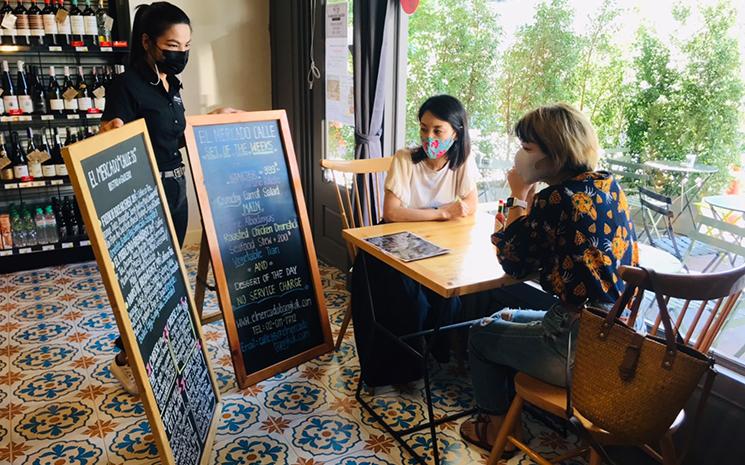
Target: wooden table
x: 471, y: 265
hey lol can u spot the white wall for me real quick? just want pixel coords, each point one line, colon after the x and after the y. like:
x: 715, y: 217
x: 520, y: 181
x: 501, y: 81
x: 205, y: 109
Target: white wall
x: 229, y: 63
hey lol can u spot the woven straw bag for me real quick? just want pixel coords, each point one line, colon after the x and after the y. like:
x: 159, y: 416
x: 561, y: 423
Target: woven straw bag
x: 632, y: 386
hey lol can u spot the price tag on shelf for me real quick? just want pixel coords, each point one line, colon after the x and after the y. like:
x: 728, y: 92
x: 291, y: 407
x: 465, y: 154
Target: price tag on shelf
x: 67, y: 245
x: 55, y: 48
x: 85, y: 242
x: 107, y: 49
x: 81, y: 49
x: 56, y: 182
x: 73, y: 116
x: 47, y: 247
x: 12, y: 185
x: 25, y: 250
x: 25, y: 118
x: 36, y: 184
x: 5, y: 253
x: 47, y: 117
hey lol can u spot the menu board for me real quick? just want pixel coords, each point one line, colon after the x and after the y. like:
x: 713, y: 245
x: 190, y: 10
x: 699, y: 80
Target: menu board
x: 125, y: 211
x: 259, y: 239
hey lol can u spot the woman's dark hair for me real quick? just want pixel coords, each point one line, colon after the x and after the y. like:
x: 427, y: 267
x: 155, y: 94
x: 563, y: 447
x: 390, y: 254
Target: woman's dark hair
x: 153, y: 20
x: 448, y: 108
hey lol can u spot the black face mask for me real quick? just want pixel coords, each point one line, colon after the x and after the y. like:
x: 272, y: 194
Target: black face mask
x: 173, y: 62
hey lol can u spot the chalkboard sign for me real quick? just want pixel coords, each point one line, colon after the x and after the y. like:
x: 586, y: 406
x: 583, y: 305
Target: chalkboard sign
x: 257, y: 229
x: 121, y: 198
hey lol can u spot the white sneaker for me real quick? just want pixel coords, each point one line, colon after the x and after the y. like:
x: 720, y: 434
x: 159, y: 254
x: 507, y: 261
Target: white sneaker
x: 123, y: 373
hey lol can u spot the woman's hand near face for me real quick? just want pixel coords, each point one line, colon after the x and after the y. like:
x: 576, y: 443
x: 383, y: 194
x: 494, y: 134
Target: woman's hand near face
x: 520, y: 189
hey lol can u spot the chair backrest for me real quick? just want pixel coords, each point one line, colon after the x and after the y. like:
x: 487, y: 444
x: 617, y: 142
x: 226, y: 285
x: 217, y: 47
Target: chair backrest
x: 717, y: 293
x: 357, y: 204
x: 624, y: 169
x: 658, y: 203
x: 726, y: 237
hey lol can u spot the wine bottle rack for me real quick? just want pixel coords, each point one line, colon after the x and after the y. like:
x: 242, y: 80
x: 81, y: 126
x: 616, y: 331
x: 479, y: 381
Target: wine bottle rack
x: 40, y: 191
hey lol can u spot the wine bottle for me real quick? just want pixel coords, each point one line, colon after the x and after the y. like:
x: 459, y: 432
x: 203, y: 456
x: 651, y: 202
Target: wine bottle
x: 54, y: 94
x: 64, y: 27
x: 34, y: 167
x: 9, y: 34
x: 10, y: 100
x: 71, y: 138
x: 59, y: 163
x: 37, y: 92
x: 7, y: 172
x: 35, y: 24
x: 23, y: 31
x: 70, y: 93
x: 50, y: 23
x: 85, y: 102
x: 99, y: 92
x: 77, y: 25
x: 20, y: 163
x: 104, y: 33
x: 25, y: 102
x: 48, y: 167
x: 91, y: 25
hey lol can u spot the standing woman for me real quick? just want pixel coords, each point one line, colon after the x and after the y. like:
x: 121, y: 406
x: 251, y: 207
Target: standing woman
x: 149, y: 89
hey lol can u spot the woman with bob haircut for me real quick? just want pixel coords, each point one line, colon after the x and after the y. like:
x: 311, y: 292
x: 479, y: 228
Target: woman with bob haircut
x: 435, y: 181
x: 575, y: 234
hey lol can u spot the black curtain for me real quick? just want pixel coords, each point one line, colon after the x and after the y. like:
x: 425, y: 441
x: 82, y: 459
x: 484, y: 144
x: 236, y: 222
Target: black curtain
x: 370, y: 42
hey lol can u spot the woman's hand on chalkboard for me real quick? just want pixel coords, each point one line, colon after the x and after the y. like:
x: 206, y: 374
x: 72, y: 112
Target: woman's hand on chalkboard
x: 225, y: 110
x: 111, y: 124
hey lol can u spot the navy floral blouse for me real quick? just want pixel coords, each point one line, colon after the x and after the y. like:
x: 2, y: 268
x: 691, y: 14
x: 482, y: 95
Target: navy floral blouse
x: 576, y: 236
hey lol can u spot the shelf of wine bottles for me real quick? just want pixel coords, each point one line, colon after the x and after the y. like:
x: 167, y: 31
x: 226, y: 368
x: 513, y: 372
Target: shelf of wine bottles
x: 57, y: 59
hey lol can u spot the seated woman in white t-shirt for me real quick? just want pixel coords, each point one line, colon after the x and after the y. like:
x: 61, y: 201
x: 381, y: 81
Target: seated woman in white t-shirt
x: 436, y: 181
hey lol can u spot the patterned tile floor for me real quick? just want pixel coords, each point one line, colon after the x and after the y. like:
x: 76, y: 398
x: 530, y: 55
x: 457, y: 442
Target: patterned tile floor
x: 59, y: 404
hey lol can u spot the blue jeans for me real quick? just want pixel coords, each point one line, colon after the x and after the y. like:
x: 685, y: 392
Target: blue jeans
x: 533, y: 342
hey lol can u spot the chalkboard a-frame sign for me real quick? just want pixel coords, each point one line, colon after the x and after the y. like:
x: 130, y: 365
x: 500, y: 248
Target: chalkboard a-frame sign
x: 260, y: 242
x: 118, y: 187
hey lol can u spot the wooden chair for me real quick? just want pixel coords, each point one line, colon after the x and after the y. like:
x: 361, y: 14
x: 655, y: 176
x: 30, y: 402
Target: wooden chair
x: 723, y: 289
x: 357, y: 206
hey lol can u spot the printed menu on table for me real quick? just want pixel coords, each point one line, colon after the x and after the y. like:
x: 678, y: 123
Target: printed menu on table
x: 141, y: 264
x: 260, y: 242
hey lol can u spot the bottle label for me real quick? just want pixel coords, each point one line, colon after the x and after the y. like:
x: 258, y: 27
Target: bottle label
x: 50, y: 24
x: 49, y: 171
x: 100, y: 103
x: 71, y: 104
x: 26, y: 104
x: 34, y: 169
x: 22, y: 25
x: 56, y: 104
x: 91, y: 25
x: 85, y: 103
x: 11, y: 104
x: 60, y: 169
x: 35, y: 22
x: 20, y: 171
x: 77, y: 25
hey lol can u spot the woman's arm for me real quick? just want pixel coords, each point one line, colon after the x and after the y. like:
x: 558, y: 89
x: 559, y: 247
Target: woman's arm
x: 394, y: 211
x: 471, y: 202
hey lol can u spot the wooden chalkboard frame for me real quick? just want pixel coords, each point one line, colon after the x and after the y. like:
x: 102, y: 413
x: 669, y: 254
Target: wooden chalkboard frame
x: 221, y: 284
x: 74, y: 155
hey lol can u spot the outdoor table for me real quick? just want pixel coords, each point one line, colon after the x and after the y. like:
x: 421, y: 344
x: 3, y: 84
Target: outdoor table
x: 701, y: 172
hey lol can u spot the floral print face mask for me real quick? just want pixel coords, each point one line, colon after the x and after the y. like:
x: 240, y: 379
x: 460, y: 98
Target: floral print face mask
x: 436, y: 148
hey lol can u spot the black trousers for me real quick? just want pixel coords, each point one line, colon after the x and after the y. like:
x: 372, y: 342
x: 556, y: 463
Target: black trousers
x: 178, y: 205
x: 402, y: 306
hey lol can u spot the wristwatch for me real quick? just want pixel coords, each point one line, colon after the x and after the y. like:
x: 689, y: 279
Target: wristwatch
x: 514, y: 202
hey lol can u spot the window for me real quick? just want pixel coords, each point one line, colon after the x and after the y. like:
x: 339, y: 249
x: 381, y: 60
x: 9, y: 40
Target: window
x: 339, y: 81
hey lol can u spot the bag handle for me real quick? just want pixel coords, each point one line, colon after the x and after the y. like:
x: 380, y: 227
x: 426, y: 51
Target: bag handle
x: 615, y: 312
x: 670, y: 333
